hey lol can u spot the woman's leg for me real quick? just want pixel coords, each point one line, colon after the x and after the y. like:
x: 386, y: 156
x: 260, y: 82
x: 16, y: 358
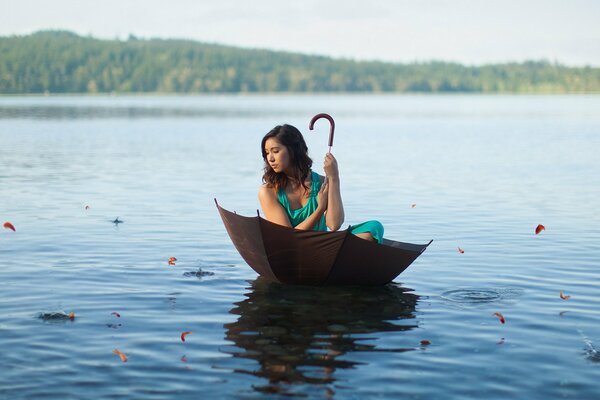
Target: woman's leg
x: 366, y: 236
x: 370, y: 230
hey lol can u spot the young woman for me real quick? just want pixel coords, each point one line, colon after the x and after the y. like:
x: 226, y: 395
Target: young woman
x: 293, y: 195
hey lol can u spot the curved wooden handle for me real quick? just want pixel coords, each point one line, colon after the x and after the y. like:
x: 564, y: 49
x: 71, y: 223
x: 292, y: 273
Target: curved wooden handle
x: 331, y: 129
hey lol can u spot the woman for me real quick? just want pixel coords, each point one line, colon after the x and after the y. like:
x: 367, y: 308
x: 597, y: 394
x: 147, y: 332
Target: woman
x: 293, y: 195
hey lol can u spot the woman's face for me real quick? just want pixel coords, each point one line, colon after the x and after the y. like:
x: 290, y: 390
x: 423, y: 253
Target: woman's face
x: 277, y: 154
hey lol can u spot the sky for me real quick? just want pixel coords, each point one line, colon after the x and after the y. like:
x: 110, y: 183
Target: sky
x: 465, y: 31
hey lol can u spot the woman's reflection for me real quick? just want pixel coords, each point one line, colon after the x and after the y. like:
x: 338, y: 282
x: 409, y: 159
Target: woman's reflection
x: 297, y: 334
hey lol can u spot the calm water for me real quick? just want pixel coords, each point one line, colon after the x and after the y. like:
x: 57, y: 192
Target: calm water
x: 482, y: 171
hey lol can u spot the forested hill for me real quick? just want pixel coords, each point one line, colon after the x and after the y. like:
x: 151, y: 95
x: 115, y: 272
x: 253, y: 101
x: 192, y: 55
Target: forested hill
x: 63, y: 62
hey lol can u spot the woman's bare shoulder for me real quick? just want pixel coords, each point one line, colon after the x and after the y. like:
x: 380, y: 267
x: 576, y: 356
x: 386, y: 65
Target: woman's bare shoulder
x: 266, y: 190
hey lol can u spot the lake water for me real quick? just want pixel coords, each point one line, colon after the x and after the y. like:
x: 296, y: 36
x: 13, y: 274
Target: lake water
x: 483, y: 171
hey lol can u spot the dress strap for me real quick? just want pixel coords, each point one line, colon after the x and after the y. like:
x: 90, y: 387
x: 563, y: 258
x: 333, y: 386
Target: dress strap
x: 283, y: 199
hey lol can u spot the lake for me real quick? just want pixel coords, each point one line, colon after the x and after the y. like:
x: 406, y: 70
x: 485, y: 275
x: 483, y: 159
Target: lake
x: 482, y: 171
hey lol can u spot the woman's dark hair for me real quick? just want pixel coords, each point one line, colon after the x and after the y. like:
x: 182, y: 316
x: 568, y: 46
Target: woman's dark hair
x: 292, y: 139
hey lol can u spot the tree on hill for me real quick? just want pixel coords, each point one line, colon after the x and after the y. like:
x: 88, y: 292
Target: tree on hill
x: 63, y: 62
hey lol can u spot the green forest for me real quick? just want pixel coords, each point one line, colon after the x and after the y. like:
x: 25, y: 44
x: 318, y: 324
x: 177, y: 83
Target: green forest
x: 64, y: 62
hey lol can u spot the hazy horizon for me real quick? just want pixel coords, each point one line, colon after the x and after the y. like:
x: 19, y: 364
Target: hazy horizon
x: 462, y: 31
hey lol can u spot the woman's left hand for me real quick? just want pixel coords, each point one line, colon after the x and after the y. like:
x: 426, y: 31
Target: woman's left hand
x: 330, y: 166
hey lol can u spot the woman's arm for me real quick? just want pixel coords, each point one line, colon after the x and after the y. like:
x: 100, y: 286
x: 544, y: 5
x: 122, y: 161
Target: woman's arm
x: 310, y: 222
x: 275, y: 213
x: 334, y: 217
x: 315, y: 217
x: 271, y: 207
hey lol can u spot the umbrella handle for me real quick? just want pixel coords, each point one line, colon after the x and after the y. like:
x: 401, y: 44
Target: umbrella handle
x: 331, y: 129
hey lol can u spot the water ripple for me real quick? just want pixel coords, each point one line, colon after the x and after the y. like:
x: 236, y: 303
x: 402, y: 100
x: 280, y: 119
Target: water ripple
x: 475, y: 296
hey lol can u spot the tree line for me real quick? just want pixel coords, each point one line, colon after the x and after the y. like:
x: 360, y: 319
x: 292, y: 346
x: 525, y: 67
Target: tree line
x: 64, y: 62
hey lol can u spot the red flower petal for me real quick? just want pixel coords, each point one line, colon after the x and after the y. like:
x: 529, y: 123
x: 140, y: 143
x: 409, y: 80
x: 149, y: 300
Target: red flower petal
x: 10, y: 226
x: 425, y: 342
x: 500, y: 317
x: 461, y: 251
x: 123, y: 356
x: 563, y: 296
x: 539, y: 228
x: 183, y: 335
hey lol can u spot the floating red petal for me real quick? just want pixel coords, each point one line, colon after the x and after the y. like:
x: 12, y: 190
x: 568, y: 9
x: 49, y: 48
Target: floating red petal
x: 183, y: 335
x: 500, y: 317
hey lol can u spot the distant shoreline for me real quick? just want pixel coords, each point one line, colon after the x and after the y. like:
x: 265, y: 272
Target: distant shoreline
x: 62, y: 62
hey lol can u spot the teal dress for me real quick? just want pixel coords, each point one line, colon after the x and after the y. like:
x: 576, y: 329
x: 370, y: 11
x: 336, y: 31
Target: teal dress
x: 297, y: 216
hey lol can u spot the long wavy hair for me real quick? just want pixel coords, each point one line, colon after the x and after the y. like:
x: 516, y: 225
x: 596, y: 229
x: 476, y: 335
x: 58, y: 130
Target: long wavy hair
x: 292, y: 139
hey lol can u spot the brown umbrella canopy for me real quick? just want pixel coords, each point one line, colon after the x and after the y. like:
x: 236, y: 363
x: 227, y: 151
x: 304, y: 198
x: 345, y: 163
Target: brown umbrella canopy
x: 293, y: 256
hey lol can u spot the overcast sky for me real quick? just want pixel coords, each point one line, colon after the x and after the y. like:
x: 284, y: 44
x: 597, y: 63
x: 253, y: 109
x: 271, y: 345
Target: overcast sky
x: 466, y: 31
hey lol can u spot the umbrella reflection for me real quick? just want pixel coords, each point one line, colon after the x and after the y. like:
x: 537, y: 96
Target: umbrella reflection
x: 298, y: 334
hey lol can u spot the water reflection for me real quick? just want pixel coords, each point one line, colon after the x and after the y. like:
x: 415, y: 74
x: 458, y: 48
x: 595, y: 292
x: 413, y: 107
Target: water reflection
x: 299, y: 334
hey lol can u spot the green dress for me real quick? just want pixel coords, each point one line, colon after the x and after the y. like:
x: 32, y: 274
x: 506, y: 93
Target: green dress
x: 375, y: 228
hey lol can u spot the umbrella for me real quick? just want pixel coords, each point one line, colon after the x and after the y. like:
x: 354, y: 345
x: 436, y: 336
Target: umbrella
x: 294, y: 256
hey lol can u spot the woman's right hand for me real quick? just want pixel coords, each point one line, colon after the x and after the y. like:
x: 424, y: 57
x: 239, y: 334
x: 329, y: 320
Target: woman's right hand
x: 322, y: 196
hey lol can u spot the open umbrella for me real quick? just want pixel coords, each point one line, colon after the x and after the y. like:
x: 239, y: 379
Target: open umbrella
x: 294, y: 256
